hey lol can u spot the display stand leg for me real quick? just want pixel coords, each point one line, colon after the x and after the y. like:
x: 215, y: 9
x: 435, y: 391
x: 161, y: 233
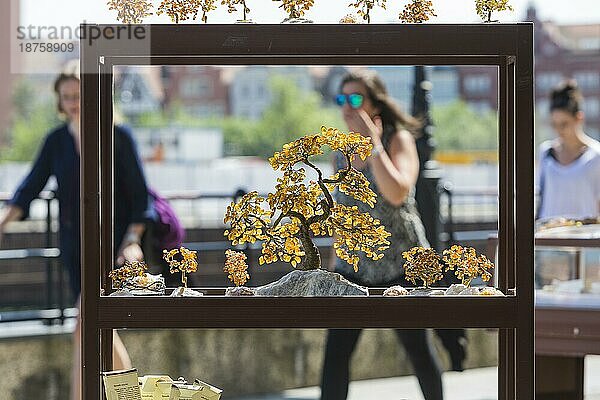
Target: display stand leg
x: 506, y: 364
x: 90, y: 373
x: 107, y: 349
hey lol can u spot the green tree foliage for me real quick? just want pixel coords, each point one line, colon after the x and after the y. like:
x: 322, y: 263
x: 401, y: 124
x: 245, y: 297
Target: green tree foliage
x: 459, y: 127
x: 291, y: 112
x: 32, y: 120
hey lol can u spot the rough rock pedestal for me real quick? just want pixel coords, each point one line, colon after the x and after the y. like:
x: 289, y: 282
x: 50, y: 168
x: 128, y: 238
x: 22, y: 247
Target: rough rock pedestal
x: 316, y: 282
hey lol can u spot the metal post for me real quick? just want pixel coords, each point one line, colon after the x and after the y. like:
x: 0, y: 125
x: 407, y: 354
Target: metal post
x: 427, y: 193
x: 49, y: 272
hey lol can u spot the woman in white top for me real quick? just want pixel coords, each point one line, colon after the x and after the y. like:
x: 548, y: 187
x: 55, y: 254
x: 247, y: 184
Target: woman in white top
x: 570, y: 164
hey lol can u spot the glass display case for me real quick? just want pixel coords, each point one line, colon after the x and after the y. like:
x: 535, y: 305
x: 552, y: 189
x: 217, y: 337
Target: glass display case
x: 567, y: 279
x: 508, y: 47
x: 568, y: 259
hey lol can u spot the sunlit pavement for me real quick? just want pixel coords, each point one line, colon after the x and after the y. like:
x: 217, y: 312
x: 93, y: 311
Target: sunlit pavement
x: 473, y: 384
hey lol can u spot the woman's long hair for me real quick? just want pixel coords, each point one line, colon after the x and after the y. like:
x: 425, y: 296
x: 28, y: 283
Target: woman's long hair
x: 392, y: 116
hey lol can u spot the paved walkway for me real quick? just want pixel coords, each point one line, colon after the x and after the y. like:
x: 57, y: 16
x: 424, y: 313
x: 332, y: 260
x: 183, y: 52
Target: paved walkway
x: 473, y: 384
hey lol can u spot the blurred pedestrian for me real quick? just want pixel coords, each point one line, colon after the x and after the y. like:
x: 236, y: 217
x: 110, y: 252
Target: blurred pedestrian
x: 392, y: 171
x: 60, y: 157
x: 569, y: 165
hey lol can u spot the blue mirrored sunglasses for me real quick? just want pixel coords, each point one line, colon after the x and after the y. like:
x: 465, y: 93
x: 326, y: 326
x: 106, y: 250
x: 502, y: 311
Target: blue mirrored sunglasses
x: 355, y: 100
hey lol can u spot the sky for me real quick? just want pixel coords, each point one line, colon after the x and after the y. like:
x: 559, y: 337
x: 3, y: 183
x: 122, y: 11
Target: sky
x: 72, y: 12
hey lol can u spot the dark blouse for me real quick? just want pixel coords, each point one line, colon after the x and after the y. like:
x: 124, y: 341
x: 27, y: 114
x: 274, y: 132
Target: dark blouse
x: 59, y: 157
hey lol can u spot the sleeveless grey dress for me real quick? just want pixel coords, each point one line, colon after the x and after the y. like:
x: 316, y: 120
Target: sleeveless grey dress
x: 404, y: 224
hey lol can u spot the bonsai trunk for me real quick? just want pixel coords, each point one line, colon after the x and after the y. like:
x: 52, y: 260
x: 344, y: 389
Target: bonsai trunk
x: 312, y: 258
x: 183, y: 279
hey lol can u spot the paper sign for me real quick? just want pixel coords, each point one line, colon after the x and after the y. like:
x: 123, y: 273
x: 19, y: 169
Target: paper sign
x: 121, y: 385
x: 155, y: 387
x: 198, y: 391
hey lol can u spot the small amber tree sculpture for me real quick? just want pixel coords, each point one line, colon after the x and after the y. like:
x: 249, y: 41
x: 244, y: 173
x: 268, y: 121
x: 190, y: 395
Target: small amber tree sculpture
x: 181, y: 260
x: 295, y: 209
x: 466, y: 264
x: 181, y: 10
x: 485, y: 8
x: 232, y: 7
x: 365, y: 6
x: 296, y: 8
x: 417, y: 11
x: 424, y: 264
x: 131, y: 11
x: 131, y: 269
x: 236, y: 267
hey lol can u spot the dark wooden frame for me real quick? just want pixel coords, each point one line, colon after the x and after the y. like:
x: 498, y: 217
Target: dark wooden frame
x: 508, y: 46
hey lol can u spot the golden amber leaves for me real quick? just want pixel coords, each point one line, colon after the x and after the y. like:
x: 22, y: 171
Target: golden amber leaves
x: 417, y: 11
x: 364, y: 7
x: 236, y: 267
x: 467, y: 264
x: 181, y: 260
x: 424, y: 264
x: 356, y: 231
x: 284, y: 220
x: 296, y: 8
x: 131, y: 11
x: 485, y: 8
x: 130, y: 270
x: 231, y: 6
x: 181, y: 10
x: 349, y: 19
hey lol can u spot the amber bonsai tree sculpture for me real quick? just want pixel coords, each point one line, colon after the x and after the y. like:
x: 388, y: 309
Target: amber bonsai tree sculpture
x: 231, y: 7
x: 181, y: 260
x: 296, y: 209
x: 295, y: 8
x: 417, y: 11
x: 466, y: 264
x: 423, y: 264
x: 485, y: 8
x: 131, y: 11
x: 365, y: 6
x: 131, y: 269
x: 181, y: 10
x: 236, y: 267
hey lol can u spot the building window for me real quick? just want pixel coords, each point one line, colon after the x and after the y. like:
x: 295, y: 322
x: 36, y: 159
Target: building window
x: 587, y: 79
x: 589, y: 43
x: 591, y: 107
x: 245, y: 90
x: 547, y: 80
x: 477, y: 84
x: 196, y: 87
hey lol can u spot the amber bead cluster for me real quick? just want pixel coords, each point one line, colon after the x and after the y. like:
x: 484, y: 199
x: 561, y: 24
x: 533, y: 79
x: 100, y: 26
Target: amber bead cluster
x: 426, y: 265
x: 181, y: 260
x: 236, y: 267
x: 127, y: 272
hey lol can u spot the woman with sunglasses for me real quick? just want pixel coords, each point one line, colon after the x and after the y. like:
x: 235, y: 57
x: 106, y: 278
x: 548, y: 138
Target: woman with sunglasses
x: 392, y: 171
